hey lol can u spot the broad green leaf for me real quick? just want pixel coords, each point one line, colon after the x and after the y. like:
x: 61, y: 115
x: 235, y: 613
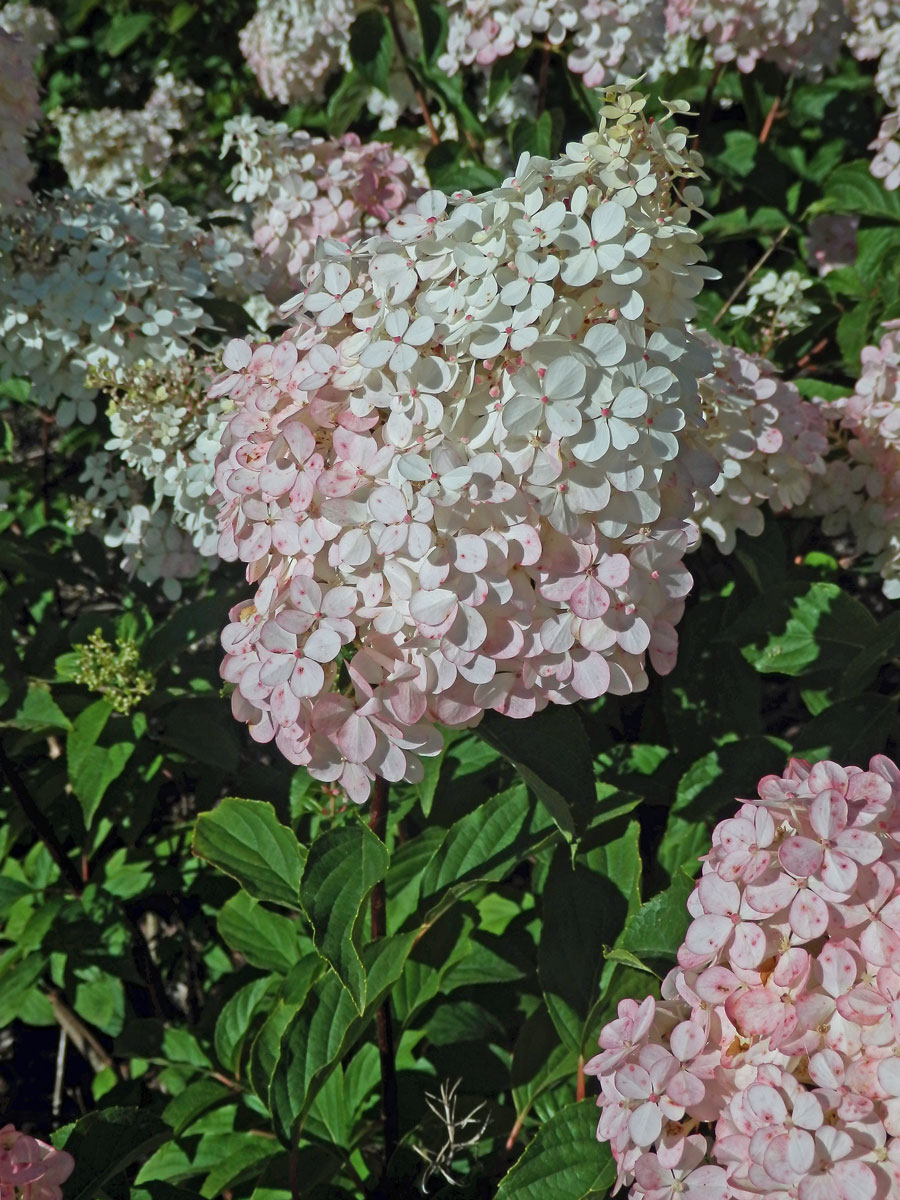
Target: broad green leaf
x: 882, y: 647
x: 327, y: 1027
x: 855, y: 330
x: 93, y: 768
x: 346, y: 103
x: 264, y: 938
x: 244, y: 839
x: 552, y: 754
x: 564, y: 1159
x: 433, y: 20
x: 540, y: 1063
x: 853, y: 189
x: 106, y: 1142
x: 485, y: 845
x: 450, y: 168
x: 342, y: 868
x: 39, y: 711
x: 235, y: 1019
x: 242, y: 1166
x: 801, y: 628
x: 850, y: 731
x: 656, y: 930
x: 17, y: 978
x: 372, y: 48
x: 124, y: 30
x: 583, y: 911
x: 196, y: 1099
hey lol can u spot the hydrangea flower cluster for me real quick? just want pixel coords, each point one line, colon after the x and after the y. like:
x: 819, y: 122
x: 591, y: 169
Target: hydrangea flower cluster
x: 302, y: 188
x: 23, y: 33
x: 885, y: 164
x: 799, y: 37
x: 110, y: 148
x: 30, y: 1169
x: 168, y: 434
x: 831, y: 242
x: 87, y: 280
x: 859, y: 492
x: 770, y: 1067
x: 292, y: 46
x: 452, y: 480
x: 777, y: 304
x: 767, y: 440
x: 602, y: 38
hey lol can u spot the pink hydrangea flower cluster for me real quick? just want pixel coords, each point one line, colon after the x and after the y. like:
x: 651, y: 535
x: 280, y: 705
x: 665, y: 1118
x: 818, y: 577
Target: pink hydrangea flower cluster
x: 452, y: 481
x: 799, y: 37
x: 30, y: 1169
x: 859, y: 492
x: 770, y: 1066
x: 831, y: 241
x: 767, y: 440
x: 302, y: 188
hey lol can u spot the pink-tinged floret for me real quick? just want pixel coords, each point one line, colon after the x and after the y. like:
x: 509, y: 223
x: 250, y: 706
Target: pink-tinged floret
x: 769, y: 1066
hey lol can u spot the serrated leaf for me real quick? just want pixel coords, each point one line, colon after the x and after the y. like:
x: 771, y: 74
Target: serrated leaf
x: 243, y: 1165
x: 342, y: 868
x: 234, y: 1022
x: 325, y: 1029
x: 93, y: 768
x: 484, y: 845
x: 106, y: 1142
x: 564, y: 1159
x: 552, y: 754
x: 882, y: 647
x: 245, y: 839
x: 853, y: 189
x: 850, y: 730
x: 196, y: 1099
x: 265, y: 939
x: 656, y: 930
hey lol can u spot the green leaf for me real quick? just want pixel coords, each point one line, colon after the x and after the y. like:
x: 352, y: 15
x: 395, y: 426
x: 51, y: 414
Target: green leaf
x: 325, y: 1029
x: 196, y: 1099
x: 451, y: 169
x: 244, y: 1165
x: 799, y: 628
x: 564, y: 1159
x: 104, y: 1143
x: 346, y: 103
x: 850, y: 730
x: 342, y: 868
x: 39, y: 711
x: 853, y: 189
x: 93, y: 768
x: 433, y: 20
x: 265, y: 939
x: 125, y: 29
x: 245, y: 839
x: 180, y: 15
x: 657, y: 929
x: 552, y: 754
x: 372, y: 47
x: 234, y: 1022
x: 854, y: 331
x: 882, y: 647
x: 583, y: 911
x: 533, y: 137
x: 485, y: 845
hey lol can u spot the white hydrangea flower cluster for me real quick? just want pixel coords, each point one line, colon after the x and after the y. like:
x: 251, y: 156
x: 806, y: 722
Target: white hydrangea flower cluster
x: 802, y: 37
x: 603, y: 39
x: 301, y: 188
x: 767, y: 440
x: 292, y: 46
x: 108, y: 149
x: 454, y: 479
x: 859, y: 493
x: 777, y: 304
x: 24, y: 31
x: 885, y: 164
x: 86, y: 280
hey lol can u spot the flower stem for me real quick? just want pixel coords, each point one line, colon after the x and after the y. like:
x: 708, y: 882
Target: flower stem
x: 384, y: 1027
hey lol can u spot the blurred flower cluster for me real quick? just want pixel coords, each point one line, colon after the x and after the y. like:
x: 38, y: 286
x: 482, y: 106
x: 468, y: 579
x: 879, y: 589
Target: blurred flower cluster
x: 30, y: 1169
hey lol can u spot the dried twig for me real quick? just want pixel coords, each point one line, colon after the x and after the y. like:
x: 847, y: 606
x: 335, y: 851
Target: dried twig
x: 760, y: 262
x: 458, y: 1134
